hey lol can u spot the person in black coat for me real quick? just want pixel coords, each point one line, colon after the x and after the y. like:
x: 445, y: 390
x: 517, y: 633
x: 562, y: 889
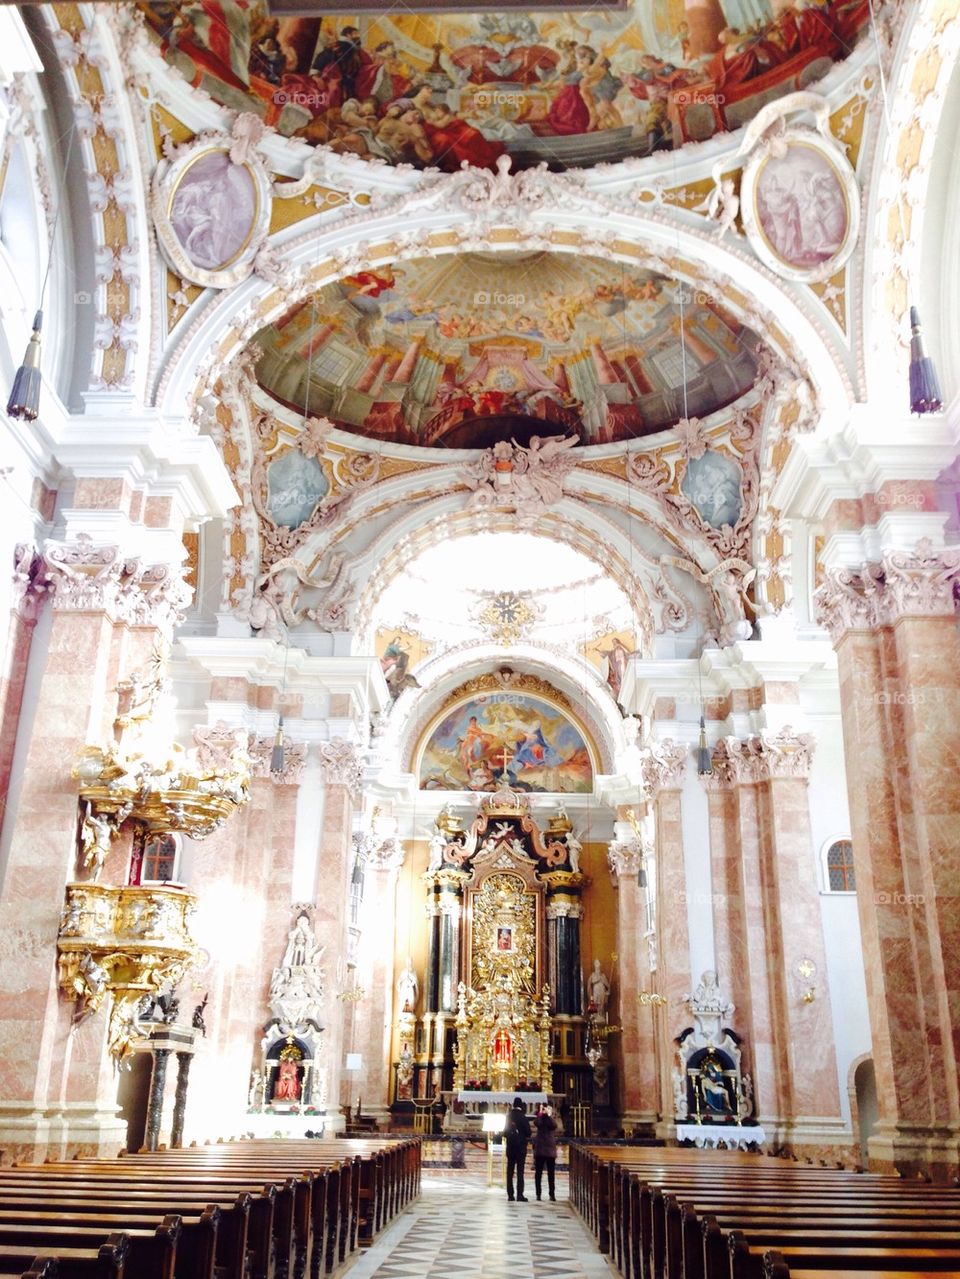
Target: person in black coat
x: 545, y: 1151
x: 516, y: 1134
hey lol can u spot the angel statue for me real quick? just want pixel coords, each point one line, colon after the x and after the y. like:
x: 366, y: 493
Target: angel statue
x: 721, y: 206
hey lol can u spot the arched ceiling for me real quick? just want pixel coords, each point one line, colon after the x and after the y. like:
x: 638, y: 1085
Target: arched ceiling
x: 570, y: 89
x: 470, y: 348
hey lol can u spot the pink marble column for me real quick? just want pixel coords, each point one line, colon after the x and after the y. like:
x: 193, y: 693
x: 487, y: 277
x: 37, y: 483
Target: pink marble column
x: 606, y: 373
x: 371, y: 372
x: 781, y: 961
x: 405, y: 369
x: 663, y: 772
x: 317, y: 339
x: 375, y: 1014
x: 58, y: 1088
x: 893, y: 627
x: 28, y: 592
x: 640, y: 380
x: 343, y: 773
x: 638, y: 1084
x: 702, y: 350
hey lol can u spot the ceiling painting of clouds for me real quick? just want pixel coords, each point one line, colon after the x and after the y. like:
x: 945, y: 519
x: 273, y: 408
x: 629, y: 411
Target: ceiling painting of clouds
x: 569, y: 88
x: 463, y: 350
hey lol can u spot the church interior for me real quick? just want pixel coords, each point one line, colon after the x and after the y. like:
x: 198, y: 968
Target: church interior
x: 481, y: 514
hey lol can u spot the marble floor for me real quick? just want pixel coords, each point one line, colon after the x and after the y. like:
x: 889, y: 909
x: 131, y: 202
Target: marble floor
x: 460, y: 1228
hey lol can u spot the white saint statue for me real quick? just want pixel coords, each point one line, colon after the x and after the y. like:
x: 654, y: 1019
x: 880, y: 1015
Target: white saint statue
x: 407, y: 988
x: 301, y: 945
x: 598, y: 989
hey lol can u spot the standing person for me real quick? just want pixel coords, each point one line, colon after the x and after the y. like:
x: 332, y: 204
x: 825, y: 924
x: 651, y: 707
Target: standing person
x: 545, y: 1151
x: 516, y: 1134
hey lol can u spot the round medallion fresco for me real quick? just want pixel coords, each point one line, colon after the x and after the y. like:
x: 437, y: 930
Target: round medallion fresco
x: 568, y: 89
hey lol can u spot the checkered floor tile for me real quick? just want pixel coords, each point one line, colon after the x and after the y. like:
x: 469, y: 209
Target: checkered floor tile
x: 460, y: 1228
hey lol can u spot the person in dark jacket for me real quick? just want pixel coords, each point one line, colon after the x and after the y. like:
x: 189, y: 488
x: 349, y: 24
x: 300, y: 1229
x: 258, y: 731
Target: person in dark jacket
x: 516, y: 1135
x: 545, y: 1151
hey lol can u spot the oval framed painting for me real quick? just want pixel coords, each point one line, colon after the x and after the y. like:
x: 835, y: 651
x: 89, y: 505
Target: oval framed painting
x: 211, y: 214
x: 800, y: 205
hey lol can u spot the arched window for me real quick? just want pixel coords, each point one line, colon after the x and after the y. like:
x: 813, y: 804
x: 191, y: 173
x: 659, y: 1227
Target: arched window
x: 840, y: 876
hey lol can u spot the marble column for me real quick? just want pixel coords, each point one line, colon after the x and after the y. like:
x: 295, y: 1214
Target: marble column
x: 28, y: 592
x: 406, y: 366
x: 893, y: 626
x: 375, y: 1014
x: 371, y: 372
x: 638, y: 1083
x: 606, y: 373
x: 445, y: 911
x: 158, y: 1082
x: 769, y: 931
x: 564, y: 912
x: 640, y: 380
x: 57, y: 1081
x: 663, y: 769
x: 343, y: 775
x: 184, y: 1062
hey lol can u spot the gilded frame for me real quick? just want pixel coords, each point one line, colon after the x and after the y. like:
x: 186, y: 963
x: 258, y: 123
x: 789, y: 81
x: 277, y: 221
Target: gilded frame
x: 168, y: 180
x: 776, y: 149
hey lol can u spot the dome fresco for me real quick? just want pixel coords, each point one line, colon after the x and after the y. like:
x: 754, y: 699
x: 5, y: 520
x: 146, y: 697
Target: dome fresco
x: 569, y: 89
x: 462, y: 350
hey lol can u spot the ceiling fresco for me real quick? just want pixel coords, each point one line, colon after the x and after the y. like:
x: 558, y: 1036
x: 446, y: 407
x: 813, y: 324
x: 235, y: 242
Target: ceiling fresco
x: 570, y: 89
x: 464, y: 350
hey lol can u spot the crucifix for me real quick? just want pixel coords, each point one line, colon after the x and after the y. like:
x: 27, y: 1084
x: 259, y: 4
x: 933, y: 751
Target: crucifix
x: 506, y: 761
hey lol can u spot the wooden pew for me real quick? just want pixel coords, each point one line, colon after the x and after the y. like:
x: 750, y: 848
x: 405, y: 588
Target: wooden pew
x: 644, y: 1208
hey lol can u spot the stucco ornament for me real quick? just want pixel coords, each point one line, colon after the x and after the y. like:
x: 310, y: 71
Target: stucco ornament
x: 525, y: 480
x: 211, y: 203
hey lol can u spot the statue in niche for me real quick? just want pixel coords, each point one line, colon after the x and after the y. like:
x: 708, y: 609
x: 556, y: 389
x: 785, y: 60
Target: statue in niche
x: 438, y: 843
x: 707, y: 997
x: 713, y: 1087
x: 288, y: 1082
x: 301, y: 945
x: 574, y: 849
x: 598, y: 990
x: 297, y: 985
x: 408, y: 988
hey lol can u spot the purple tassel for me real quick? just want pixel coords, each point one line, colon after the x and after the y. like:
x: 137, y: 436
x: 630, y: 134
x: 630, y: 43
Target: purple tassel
x: 24, y: 401
x: 925, y: 396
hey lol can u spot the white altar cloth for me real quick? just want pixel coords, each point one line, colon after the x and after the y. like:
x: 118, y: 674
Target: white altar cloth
x: 473, y: 1096
x: 711, y: 1136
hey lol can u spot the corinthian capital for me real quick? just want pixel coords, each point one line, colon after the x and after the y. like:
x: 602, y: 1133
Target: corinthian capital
x: 342, y: 765
x: 29, y: 581
x: 762, y: 758
x: 849, y: 600
x: 625, y: 857
x: 920, y: 583
x: 663, y: 766
x: 917, y: 583
x: 86, y: 578
x: 294, y: 759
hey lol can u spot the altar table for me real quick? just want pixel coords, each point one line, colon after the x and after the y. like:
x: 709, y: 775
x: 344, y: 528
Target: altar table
x: 711, y: 1136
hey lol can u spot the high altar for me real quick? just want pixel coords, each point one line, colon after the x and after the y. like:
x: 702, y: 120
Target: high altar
x: 503, y: 989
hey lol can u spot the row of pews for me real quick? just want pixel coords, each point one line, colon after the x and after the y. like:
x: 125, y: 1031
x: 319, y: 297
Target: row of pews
x: 252, y: 1209
x: 678, y: 1213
